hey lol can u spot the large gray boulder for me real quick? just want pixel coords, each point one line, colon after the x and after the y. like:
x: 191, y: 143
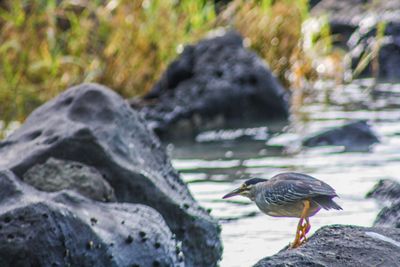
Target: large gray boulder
x: 93, y: 125
x: 214, y: 84
x: 66, y: 229
x: 340, y: 245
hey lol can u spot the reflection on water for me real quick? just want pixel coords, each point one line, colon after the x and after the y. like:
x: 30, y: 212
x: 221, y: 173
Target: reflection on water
x: 214, y: 168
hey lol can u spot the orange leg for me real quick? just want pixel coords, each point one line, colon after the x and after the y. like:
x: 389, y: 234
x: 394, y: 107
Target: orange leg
x: 302, y: 230
x: 305, y: 229
x: 296, y: 241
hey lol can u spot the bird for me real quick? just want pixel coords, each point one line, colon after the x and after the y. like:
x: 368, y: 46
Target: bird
x: 289, y: 194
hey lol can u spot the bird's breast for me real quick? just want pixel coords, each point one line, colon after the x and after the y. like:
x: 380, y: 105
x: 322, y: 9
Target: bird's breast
x: 293, y: 209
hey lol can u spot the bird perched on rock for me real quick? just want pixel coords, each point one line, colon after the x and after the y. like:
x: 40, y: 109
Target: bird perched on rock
x: 289, y: 195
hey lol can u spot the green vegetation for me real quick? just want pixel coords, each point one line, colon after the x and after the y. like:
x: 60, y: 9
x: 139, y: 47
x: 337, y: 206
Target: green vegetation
x: 274, y: 31
x: 370, y: 56
x: 46, y: 47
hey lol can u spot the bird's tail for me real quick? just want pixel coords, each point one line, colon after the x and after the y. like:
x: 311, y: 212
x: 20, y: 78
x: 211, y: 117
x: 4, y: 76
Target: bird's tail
x: 326, y: 202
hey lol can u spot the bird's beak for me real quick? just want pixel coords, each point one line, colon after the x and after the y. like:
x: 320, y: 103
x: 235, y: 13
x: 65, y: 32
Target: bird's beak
x: 233, y: 193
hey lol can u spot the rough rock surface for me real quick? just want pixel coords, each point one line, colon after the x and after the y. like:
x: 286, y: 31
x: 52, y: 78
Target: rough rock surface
x: 55, y: 175
x: 340, y: 245
x: 66, y: 229
x: 354, y: 136
x: 92, y: 125
x: 213, y: 84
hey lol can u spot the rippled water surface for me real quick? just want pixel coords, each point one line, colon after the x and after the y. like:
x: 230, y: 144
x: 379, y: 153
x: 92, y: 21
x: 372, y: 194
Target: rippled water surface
x: 214, y: 168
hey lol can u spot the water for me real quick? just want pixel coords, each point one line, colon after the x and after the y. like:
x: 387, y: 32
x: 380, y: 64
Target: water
x: 212, y: 169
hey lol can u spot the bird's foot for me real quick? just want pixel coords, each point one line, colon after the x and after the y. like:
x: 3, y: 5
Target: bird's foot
x: 301, y: 237
x: 297, y: 241
x: 294, y: 245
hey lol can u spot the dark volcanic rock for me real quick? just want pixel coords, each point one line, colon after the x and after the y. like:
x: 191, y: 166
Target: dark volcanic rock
x: 364, y: 41
x: 345, y: 16
x: 92, y: 125
x: 66, y: 229
x: 389, y: 216
x: 213, y: 84
x: 354, y: 24
x: 355, y: 136
x: 386, y: 190
x: 339, y: 245
x: 55, y: 175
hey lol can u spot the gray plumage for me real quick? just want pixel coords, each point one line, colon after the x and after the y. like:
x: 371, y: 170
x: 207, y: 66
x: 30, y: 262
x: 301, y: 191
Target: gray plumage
x: 282, y: 195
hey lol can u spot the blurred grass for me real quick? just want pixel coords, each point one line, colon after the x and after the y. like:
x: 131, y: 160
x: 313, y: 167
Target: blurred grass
x: 47, y: 46
x: 274, y: 30
x: 371, y: 54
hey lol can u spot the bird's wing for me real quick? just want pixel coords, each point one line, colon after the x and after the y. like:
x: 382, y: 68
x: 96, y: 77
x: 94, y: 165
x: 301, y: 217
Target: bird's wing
x: 285, y: 190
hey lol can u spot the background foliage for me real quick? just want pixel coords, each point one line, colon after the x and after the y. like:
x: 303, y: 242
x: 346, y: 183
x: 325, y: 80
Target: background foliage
x: 47, y: 46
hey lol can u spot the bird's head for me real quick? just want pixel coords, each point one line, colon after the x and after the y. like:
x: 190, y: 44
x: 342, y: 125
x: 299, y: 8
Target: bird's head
x: 246, y: 189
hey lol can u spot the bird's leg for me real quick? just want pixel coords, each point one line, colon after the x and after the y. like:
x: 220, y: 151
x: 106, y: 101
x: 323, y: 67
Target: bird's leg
x: 302, y: 229
x: 305, y: 229
x: 307, y: 226
x: 296, y: 241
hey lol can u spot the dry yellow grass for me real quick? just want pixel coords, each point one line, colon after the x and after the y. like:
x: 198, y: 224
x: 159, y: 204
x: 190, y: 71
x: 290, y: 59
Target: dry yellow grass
x: 274, y: 30
x: 47, y: 47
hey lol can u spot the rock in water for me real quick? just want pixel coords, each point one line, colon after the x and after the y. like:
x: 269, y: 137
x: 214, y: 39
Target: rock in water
x: 364, y: 41
x: 389, y: 216
x: 66, y: 229
x: 93, y: 125
x: 354, y: 24
x: 385, y: 190
x: 213, y: 84
x: 340, y: 245
x: 389, y: 192
x: 354, y: 136
x: 344, y: 17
